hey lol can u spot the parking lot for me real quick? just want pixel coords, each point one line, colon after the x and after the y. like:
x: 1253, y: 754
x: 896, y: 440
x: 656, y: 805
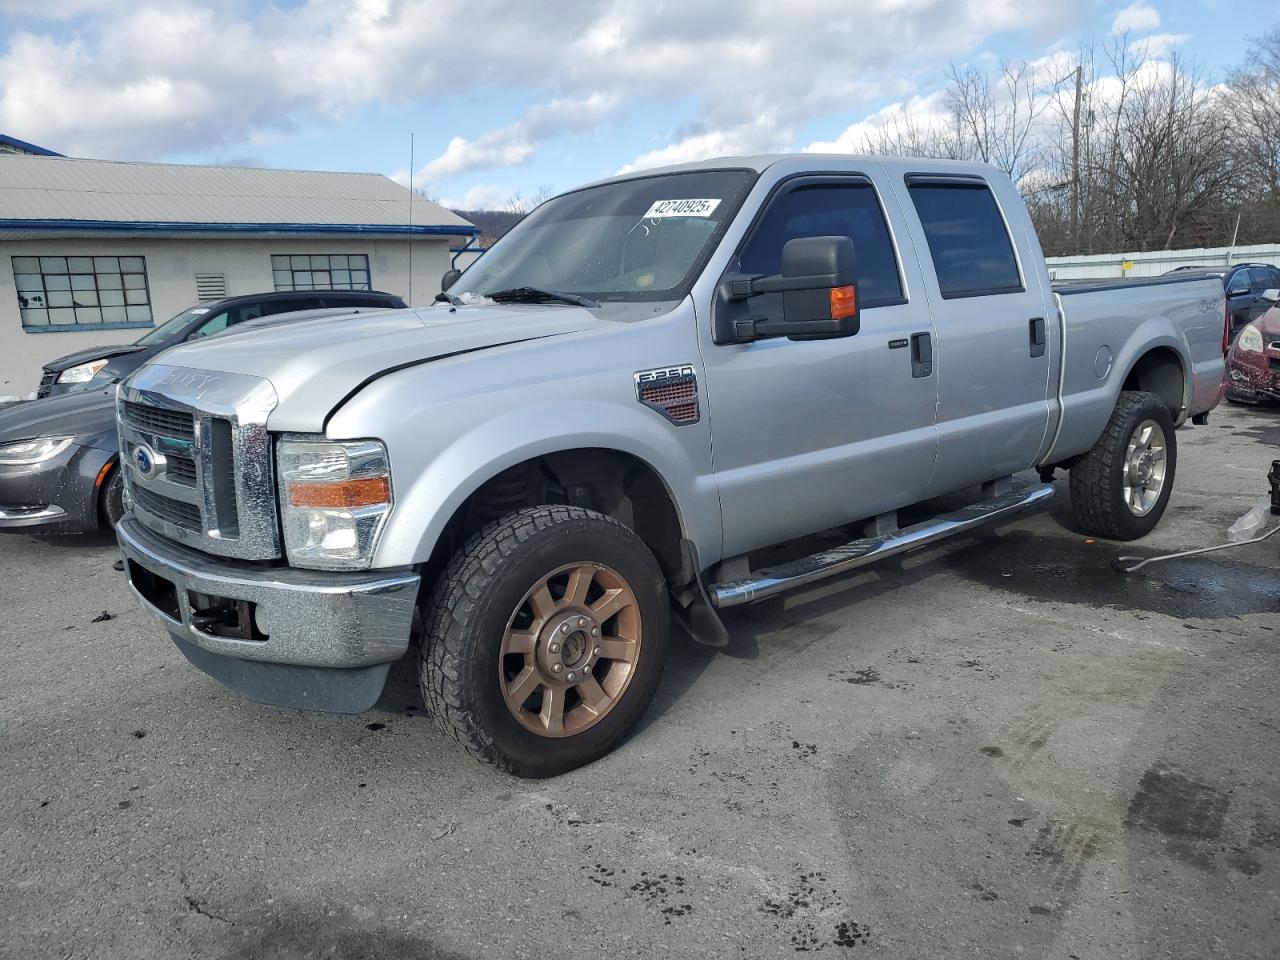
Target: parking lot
x: 999, y: 748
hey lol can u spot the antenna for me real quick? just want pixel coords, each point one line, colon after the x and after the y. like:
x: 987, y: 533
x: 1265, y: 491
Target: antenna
x: 409, y: 246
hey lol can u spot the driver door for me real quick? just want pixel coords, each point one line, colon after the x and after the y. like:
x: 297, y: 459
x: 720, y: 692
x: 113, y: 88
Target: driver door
x: 807, y: 435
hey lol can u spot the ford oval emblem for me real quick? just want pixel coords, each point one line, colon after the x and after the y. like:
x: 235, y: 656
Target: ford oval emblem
x: 144, y: 460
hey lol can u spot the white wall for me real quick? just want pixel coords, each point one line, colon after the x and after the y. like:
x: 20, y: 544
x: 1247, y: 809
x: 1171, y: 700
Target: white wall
x: 1112, y: 265
x: 171, y: 269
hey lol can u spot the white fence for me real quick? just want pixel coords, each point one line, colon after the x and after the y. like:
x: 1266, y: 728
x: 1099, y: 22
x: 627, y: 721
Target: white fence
x: 1099, y: 266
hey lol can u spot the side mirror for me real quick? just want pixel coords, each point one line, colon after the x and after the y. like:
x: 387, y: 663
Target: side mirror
x: 1273, y: 294
x: 819, y: 287
x: 449, y: 279
x: 1237, y: 291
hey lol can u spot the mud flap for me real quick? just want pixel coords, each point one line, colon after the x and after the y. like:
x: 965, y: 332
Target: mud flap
x: 692, y: 607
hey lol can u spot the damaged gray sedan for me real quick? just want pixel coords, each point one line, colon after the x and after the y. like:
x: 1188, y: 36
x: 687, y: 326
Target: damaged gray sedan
x: 59, y: 465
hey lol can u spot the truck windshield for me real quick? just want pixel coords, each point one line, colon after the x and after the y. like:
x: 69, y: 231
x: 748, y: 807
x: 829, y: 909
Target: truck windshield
x: 643, y: 239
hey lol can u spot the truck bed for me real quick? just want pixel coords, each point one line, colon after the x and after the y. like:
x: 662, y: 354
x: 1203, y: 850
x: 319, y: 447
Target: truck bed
x: 1109, y: 324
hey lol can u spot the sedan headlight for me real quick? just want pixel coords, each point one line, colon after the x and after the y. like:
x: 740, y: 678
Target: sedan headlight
x: 1250, y: 340
x: 82, y: 373
x: 39, y: 450
x: 334, y: 500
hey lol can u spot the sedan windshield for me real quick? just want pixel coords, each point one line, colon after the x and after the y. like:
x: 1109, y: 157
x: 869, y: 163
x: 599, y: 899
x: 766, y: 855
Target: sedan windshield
x: 643, y: 239
x: 171, y: 327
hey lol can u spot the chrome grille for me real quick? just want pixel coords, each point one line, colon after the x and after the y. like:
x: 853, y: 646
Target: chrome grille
x: 184, y: 515
x: 169, y: 423
x: 181, y: 470
x: 199, y: 461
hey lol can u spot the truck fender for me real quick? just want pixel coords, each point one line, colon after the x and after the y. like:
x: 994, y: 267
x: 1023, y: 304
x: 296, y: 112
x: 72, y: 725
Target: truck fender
x: 426, y: 504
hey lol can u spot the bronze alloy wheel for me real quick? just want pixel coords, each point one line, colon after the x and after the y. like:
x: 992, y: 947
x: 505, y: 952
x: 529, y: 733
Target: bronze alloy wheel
x: 570, y: 649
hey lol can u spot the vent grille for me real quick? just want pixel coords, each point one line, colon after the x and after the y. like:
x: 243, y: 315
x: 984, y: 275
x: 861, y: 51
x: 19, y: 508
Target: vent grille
x: 211, y: 286
x: 47, y: 381
x: 171, y: 423
x: 180, y: 470
x: 184, y: 515
x: 675, y: 398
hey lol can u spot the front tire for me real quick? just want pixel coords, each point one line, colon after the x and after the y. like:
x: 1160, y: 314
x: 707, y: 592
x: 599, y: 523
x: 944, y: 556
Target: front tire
x: 1120, y: 488
x: 111, y: 507
x: 545, y: 639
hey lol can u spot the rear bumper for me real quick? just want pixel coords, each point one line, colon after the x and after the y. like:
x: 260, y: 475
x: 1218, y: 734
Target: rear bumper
x: 307, y: 639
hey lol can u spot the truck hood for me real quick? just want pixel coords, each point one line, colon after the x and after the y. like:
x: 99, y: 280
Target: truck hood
x: 316, y: 365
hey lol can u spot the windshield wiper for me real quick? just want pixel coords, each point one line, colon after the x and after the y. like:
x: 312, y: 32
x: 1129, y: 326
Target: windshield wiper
x: 443, y: 297
x: 539, y: 295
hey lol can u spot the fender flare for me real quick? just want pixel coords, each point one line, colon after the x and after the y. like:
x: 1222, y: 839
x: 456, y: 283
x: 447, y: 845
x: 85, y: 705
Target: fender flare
x: 478, y: 455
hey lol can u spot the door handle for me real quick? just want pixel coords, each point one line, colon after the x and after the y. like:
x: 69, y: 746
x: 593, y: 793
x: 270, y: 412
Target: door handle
x: 921, y: 355
x: 1038, y: 338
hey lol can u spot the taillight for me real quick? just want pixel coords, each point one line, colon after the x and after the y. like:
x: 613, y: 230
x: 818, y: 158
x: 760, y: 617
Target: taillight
x: 1226, y: 328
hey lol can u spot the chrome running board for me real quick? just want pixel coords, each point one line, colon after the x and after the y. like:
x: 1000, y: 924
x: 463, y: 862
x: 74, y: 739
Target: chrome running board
x: 858, y: 553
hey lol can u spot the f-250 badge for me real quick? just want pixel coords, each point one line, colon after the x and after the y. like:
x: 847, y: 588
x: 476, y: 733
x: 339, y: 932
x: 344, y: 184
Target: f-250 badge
x: 671, y: 391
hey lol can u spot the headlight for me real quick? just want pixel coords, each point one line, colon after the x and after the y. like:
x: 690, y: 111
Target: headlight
x: 33, y: 451
x: 1250, y: 340
x: 334, y: 500
x: 82, y: 373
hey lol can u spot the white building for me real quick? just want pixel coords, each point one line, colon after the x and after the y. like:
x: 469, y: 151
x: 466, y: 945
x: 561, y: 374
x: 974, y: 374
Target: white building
x: 94, y: 252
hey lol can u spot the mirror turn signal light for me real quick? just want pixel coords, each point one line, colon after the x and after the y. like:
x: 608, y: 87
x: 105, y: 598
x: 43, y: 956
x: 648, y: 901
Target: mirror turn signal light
x: 844, y: 302
x: 342, y: 494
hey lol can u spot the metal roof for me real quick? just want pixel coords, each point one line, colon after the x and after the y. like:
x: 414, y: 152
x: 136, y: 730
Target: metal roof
x: 23, y: 147
x: 65, y: 195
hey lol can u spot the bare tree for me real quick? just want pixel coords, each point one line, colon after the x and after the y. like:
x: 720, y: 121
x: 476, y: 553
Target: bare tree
x: 1253, y: 106
x: 997, y: 124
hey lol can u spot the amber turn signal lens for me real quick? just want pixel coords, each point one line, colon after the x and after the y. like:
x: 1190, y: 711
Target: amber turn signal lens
x: 844, y: 302
x: 344, y: 495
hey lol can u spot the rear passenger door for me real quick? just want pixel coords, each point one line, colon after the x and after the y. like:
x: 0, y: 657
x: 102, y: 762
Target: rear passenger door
x: 996, y: 328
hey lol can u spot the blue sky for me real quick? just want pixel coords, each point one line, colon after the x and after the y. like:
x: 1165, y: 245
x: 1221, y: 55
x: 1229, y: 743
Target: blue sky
x: 505, y: 96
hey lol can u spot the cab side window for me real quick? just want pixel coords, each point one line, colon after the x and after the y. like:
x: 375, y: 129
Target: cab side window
x: 1238, y: 283
x: 1262, y: 278
x: 972, y: 253
x: 829, y: 210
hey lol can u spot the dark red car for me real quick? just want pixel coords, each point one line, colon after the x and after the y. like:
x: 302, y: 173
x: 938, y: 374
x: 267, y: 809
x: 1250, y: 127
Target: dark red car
x: 1253, y: 362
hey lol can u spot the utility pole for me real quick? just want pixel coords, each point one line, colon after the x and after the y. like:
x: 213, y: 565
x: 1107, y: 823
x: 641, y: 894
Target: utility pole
x: 409, y: 244
x: 1075, y: 157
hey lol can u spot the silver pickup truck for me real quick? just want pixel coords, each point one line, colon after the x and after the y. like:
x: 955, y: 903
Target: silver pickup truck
x: 609, y: 415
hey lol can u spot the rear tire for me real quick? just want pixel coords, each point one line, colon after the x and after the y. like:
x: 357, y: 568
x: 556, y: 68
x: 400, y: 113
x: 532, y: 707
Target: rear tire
x: 1120, y: 488
x: 537, y: 599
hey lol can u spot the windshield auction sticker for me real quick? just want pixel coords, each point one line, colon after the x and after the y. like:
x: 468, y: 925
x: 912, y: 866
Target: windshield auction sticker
x: 681, y: 208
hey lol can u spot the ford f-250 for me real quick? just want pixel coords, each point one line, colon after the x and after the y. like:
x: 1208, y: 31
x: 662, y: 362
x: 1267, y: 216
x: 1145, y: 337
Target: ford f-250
x: 608, y: 416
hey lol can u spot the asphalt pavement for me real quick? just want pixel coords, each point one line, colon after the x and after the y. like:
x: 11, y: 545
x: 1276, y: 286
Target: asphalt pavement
x: 998, y: 748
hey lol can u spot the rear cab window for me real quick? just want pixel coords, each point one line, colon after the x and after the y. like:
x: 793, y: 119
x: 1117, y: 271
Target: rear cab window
x: 830, y: 209
x: 968, y: 238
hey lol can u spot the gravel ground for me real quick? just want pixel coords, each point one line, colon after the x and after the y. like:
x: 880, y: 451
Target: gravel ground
x: 1001, y: 748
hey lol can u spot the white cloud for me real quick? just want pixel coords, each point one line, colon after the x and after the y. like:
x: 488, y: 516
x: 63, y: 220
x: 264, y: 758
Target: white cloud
x: 921, y: 113
x: 1136, y: 18
x: 763, y: 135
x: 150, y: 78
x: 515, y: 144
x: 1157, y: 46
x: 485, y: 196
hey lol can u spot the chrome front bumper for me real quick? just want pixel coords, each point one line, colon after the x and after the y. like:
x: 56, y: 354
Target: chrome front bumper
x: 313, y: 639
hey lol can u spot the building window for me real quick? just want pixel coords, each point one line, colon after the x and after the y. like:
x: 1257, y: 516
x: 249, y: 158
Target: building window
x: 56, y: 293
x: 320, y: 271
